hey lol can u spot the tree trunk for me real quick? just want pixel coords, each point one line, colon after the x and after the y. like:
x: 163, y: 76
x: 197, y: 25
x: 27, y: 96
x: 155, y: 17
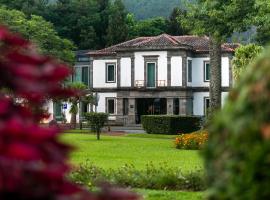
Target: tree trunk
x: 73, y: 120
x: 98, y: 135
x: 215, y: 74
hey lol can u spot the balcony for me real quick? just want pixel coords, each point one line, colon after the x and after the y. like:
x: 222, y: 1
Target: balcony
x: 143, y: 84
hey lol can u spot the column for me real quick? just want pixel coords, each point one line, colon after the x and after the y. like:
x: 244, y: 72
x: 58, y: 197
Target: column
x: 119, y: 111
x: 183, y: 106
x: 131, y: 111
x: 169, y: 106
x: 169, y: 58
x: 132, y: 71
x: 184, y: 71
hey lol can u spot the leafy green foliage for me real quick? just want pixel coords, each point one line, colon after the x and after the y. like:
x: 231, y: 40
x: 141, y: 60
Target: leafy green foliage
x: 166, y: 124
x: 152, y: 177
x: 117, y: 27
x: 237, y: 157
x: 263, y: 22
x: 96, y: 121
x: 244, y: 55
x: 144, y: 9
x: 175, y: 26
x: 39, y: 31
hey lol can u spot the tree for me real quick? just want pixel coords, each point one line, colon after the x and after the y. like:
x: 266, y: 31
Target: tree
x: 219, y: 20
x: 103, y: 10
x: 77, y: 20
x: 97, y: 121
x: 148, y: 27
x: 239, y: 144
x: 75, y: 100
x: 117, y: 28
x: 244, y: 55
x: 263, y: 23
x: 175, y: 26
x: 39, y: 31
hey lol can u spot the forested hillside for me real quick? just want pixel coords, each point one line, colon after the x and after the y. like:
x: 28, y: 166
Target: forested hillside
x: 143, y: 9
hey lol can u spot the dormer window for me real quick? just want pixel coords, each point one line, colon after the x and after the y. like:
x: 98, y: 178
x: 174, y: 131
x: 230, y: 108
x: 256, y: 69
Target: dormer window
x: 110, y: 73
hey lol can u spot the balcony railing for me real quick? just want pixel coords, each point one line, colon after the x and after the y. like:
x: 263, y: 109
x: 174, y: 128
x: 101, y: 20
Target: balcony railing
x: 143, y: 84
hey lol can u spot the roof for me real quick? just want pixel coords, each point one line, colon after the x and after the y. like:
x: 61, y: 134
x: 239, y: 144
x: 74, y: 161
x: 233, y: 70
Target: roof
x: 164, y: 41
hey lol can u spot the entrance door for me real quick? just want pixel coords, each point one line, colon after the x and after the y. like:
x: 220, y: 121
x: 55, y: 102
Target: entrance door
x: 150, y: 106
x: 151, y: 75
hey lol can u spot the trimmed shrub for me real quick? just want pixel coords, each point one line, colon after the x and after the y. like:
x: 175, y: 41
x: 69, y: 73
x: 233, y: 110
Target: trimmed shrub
x: 238, y: 152
x: 192, y: 141
x: 170, y: 124
x: 152, y: 177
x: 96, y: 121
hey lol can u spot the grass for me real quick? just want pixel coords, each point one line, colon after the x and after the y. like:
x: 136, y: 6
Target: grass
x: 169, y: 195
x: 137, y: 149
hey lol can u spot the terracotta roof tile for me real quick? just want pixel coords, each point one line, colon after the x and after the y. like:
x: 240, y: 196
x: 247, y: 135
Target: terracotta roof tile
x: 165, y: 41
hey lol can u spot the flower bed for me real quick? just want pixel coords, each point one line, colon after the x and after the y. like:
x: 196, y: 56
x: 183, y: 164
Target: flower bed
x: 192, y: 141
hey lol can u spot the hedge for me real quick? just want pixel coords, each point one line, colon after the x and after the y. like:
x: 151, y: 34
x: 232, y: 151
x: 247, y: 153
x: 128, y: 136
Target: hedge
x: 170, y: 124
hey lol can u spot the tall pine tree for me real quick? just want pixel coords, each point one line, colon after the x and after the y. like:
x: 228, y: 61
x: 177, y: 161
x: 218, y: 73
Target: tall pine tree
x: 117, y: 28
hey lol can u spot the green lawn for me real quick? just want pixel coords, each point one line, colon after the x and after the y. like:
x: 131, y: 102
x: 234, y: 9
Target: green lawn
x: 137, y: 149
x: 169, y: 195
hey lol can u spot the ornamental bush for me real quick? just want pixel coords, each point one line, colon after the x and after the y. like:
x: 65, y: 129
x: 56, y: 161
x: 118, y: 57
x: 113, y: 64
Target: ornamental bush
x: 191, y: 141
x: 160, y: 177
x: 237, y: 154
x: 96, y: 121
x: 32, y: 158
x: 170, y: 124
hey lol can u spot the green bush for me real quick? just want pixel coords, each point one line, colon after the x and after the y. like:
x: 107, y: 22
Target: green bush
x: 96, y: 121
x: 238, y: 152
x: 159, y: 178
x: 170, y: 124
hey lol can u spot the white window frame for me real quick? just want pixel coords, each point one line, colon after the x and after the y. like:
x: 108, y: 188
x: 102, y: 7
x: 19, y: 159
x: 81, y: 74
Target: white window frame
x: 155, y: 74
x: 188, y: 71
x: 204, y: 71
x: 114, y: 68
x: 107, y: 105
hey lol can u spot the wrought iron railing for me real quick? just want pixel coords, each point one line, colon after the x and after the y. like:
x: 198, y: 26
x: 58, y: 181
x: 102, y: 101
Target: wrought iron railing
x: 143, y: 84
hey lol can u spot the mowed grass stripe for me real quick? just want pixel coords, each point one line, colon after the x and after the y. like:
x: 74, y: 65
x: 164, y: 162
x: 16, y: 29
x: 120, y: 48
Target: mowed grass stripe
x: 115, y: 151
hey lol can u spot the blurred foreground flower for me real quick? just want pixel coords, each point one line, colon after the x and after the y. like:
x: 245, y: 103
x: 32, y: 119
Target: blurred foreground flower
x: 32, y: 160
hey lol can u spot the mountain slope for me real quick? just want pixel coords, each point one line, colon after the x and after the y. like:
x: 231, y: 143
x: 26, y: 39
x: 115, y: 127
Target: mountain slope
x: 152, y: 8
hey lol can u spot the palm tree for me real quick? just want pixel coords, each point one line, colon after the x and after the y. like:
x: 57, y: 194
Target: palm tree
x: 80, y: 88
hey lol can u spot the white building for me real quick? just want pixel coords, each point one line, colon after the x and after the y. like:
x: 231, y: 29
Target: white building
x: 154, y: 75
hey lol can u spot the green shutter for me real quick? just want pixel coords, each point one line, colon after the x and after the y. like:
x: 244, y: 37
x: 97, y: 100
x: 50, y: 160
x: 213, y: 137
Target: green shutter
x: 78, y: 74
x: 151, y: 74
x: 85, y: 75
x: 57, y: 110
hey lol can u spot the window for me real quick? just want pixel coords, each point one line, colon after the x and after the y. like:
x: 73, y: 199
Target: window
x: 111, y: 106
x: 176, y: 106
x: 151, y: 74
x: 82, y: 75
x: 125, y: 106
x: 110, y: 73
x: 206, y: 71
x: 83, y: 59
x: 57, y: 110
x: 190, y: 107
x: 189, y: 70
x: 206, y: 105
